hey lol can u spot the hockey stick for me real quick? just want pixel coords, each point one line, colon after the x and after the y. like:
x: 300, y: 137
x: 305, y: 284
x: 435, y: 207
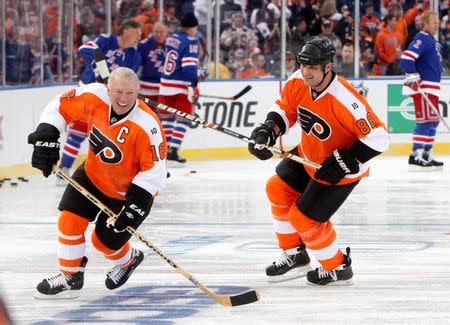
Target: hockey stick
x: 434, y: 108
x: 103, y: 70
x: 221, y: 129
x: 236, y: 300
x: 237, y: 96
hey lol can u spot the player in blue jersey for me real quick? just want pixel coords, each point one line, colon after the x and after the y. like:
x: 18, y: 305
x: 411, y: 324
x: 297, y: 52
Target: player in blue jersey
x: 152, y: 53
x: 120, y: 51
x: 422, y: 64
x: 179, y: 80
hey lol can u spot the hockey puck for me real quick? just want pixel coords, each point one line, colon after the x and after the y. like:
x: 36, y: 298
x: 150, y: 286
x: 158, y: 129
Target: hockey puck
x: 6, y: 179
x: 13, y: 183
x: 23, y: 179
x: 193, y: 171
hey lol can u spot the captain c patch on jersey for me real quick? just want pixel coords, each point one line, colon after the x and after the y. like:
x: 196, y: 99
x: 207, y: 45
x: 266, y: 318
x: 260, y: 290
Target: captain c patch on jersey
x: 104, y: 148
x: 311, y: 122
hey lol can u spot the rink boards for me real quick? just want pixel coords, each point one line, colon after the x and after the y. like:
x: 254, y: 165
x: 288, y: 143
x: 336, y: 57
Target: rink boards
x: 23, y: 106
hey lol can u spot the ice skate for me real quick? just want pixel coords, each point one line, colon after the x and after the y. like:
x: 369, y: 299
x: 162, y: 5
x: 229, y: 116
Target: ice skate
x: 418, y: 163
x: 174, y: 159
x: 62, y: 286
x: 342, y: 275
x: 437, y: 165
x: 120, y: 274
x: 293, y: 263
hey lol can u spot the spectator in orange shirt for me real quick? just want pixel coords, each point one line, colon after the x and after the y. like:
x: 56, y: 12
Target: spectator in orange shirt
x: 400, y: 27
x: 387, y: 44
x: 147, y: 17
x: 256, y: 70
x: 370, y: 19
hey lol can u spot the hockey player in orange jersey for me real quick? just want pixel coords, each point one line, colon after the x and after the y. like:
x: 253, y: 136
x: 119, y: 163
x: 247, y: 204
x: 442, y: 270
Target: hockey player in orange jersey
x: 125, y: 168
x: 339, y: 131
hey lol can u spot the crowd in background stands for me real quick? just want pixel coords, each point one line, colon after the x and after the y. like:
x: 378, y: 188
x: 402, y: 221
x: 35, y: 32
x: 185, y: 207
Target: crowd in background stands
x: 250, y: 33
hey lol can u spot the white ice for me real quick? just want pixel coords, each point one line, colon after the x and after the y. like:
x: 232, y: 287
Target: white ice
x: 215, y: 223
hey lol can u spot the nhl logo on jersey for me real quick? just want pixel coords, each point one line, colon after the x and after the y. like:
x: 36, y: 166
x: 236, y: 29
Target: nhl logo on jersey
x: 360, y: 88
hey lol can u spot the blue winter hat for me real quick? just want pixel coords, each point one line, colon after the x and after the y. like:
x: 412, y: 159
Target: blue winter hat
x: 189, y: 20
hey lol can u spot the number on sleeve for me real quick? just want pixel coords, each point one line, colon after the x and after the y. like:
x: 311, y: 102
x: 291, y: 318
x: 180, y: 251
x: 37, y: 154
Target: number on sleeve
x: 161, y: 154
x: 363, y: 126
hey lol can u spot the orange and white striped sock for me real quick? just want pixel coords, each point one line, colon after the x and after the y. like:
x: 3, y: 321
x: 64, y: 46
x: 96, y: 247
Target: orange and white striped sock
x: 71, y: 242
x: 319, y: 238
x: 121, y: 257
x: 281, y: 197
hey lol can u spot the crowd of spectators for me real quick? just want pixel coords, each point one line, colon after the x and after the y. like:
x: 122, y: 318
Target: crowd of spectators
x: 250, y: 34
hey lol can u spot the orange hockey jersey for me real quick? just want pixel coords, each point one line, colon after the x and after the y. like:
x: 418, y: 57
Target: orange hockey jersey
x: 336, y: 119
x: 131, y: 150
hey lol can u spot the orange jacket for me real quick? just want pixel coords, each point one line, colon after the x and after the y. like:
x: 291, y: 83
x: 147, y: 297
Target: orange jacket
x: 386, y: 44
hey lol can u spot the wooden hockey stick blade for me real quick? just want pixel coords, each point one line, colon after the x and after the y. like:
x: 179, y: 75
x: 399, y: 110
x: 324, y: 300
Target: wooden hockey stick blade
x: 238, y: 95
x: 237, y: 300
x: 244, y: 298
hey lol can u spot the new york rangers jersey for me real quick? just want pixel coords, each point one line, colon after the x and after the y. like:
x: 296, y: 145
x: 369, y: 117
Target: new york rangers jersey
x: 115, y: 56
x: 180, y: 65
x: 152, y: 54
x: 423, y: 56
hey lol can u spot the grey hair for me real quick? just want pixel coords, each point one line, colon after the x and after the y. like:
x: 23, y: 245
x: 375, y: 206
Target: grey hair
x: 124, y: 73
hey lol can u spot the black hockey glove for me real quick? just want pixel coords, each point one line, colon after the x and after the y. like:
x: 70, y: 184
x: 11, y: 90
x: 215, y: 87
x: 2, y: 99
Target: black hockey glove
x: 46, y: 148
x: 263, y: 135
x: 336, y: 166
x: 137, y: 207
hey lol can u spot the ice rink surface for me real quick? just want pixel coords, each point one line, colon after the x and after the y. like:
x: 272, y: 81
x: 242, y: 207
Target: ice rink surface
x: 216, y: 224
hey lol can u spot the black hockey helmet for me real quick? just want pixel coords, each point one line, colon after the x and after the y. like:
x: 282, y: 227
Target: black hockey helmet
x: 317, y: 50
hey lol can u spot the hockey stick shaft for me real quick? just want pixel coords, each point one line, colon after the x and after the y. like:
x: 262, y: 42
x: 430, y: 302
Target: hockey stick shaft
x: 232, y: 133
x: 434, y: 108
x: 235, y: 97
x: 241, y: 299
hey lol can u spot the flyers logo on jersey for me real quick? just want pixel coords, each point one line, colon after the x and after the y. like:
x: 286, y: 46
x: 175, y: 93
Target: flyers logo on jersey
x: 310, y: 122
x: 104, y: 148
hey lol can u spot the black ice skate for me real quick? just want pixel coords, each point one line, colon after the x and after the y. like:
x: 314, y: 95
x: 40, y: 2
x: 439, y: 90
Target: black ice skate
x: 342, y: 275
x: 418, y: 163
x: 293, y: 263
x: 120, y: 274
x: 174, y: 159
x: 437, y: 165
x: 62, y: 286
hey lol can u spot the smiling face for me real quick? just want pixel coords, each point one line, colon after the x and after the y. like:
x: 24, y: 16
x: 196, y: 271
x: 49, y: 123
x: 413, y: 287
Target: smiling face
x: 313, y: 75
x: 123, y: 93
